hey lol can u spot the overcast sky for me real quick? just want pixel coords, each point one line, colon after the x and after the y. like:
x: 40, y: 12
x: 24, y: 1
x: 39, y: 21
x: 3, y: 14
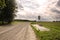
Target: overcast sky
x: 49, y: 10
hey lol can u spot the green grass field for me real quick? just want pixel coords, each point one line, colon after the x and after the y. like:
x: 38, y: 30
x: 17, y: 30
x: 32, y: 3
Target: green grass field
x: 53, y: 34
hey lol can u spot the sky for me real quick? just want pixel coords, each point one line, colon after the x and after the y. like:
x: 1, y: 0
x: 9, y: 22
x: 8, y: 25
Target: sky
x: 49, y: 10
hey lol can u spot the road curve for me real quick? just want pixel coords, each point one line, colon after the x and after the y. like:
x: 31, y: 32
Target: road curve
x: 20, y: 31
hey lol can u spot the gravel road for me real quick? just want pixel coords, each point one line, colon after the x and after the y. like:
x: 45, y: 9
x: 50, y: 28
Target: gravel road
x: 20, y: 31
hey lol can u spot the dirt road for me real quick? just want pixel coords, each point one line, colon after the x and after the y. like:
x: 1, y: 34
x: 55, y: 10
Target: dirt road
x: 20, y: 31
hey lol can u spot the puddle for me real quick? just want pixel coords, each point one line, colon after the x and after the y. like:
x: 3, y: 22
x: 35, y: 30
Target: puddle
x: 41, y: 28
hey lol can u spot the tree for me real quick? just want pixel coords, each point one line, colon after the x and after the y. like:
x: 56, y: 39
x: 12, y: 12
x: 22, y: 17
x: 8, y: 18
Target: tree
x: 7, y: 13
x: 38, y: 17
x: 2, y: 5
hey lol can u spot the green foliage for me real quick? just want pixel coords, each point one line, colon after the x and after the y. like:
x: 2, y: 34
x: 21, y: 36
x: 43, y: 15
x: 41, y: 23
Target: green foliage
x: 53, y: 34
x: 7, y: 8
x: 2, y: 4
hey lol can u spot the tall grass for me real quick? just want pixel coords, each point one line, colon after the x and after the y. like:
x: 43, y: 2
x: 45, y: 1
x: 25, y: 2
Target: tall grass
x: 53, y: 34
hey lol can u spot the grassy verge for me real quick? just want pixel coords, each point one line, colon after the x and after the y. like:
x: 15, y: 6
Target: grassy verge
x: 15, y: 22
x: 5, y: 23
x: 53, y: 34
x: 36, y: 32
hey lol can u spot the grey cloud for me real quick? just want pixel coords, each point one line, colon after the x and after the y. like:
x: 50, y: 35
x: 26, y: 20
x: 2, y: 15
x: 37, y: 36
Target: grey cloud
x: 57, y: 14
x: 21, y: 7
x: 57, y: 18
x: 58, y: 3
x: 29, y: 4
x: 31, y: 7
x: 20, y: 16
x: 55, y: 10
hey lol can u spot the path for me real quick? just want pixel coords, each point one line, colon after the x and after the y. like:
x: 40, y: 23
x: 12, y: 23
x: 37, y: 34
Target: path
x: 20, y: 31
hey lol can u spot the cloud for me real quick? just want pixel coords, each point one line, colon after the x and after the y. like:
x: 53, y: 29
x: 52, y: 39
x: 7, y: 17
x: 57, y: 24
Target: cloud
x: 47, y: 9
x: 29, y: 4
x: 55, y: 10
x: 58, y: 3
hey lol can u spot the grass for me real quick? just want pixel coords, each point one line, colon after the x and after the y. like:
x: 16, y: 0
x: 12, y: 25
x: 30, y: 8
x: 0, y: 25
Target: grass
x: 53, y: 34
x: 15, y: 22
x: 5, y: 23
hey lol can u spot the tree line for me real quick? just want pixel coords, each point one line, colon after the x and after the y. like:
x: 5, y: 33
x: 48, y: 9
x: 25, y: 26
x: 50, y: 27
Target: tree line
x: 7, y: 8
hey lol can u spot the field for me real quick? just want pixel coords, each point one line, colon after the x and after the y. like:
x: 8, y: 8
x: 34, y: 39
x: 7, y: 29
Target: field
x: 53, y: 34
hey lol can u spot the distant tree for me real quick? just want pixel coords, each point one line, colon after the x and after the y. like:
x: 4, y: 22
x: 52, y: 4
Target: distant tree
x: 38, y: 17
